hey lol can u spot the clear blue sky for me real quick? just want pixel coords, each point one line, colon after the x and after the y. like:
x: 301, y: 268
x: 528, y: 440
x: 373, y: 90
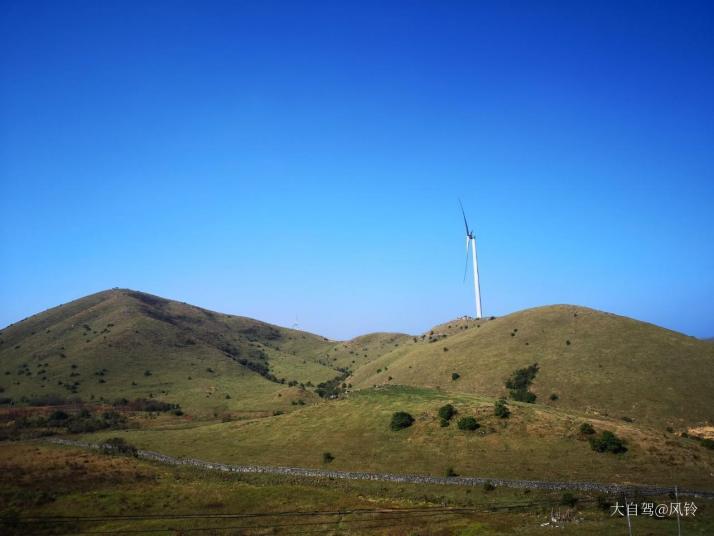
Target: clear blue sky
x: 275, y: 159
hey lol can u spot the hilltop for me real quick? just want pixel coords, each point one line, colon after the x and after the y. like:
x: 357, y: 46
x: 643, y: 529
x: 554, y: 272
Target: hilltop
x: 588, y: 360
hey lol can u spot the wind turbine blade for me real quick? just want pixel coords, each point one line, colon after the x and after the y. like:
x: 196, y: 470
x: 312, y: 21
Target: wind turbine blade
x: 464, y: 215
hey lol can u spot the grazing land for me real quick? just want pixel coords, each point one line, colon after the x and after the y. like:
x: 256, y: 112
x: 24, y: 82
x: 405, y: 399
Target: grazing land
x: 557, y: 394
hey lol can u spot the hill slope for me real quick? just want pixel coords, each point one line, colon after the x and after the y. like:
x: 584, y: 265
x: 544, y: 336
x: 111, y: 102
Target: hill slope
x: 593, y: 361
x: 123, y: 343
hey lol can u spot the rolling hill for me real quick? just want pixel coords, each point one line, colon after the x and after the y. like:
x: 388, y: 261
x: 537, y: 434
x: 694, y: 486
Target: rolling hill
x: 591, y: 361
x: 245, y: 378
x: 123, y: 343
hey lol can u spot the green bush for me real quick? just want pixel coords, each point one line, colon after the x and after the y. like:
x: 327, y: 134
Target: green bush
x: 58, y: 415
x: 568, y: 499
x: 450, y: 472
x: 708, y: 443
x: 401, y: 420
x: 587, y: 428
x: 455, y: 376
x: 327, y: 457
x: 608, y: 442
x: 522, y: 378
x: 520, y: 381
x: 522, y: 395
x: 117, y: 445
x: 500, y: 409
x: 468, y: 423
x: 447, y: 412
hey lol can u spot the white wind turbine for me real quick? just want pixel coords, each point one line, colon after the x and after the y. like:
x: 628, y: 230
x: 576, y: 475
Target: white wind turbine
x: 471, y: 242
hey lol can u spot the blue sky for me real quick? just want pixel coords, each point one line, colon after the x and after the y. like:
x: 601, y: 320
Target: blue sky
x: 283, y: 159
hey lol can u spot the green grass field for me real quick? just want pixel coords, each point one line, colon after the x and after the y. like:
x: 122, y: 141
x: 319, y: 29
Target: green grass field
x: 40, y: 480
x: 536, y: 442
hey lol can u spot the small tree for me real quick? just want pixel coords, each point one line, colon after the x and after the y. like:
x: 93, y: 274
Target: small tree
x: 520, y: 381
x: 500, y: 409
x: 587, y: 429
x: 447, y: 412
x: 455, y: 376
x: 327, y: 457
x: 608, y: 442
x: 468, y: 423
x: 401, y: 420
x: 450, y: 472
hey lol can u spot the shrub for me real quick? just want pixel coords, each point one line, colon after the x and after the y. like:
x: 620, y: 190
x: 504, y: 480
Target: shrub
x: 608, y: 442
x: 447, y: 412
x: 587, y: 428
x: 117, y: 445
x: 520, y: 381
x: 450, y: 472
x: 455, y: 376
x: 327, y: 457
x: 500, y: 409
x: 522, y: 395
x: 58, y: 415
x: 147, y: 373
x: 554, y: 396
x: 568, y: 499
x: 468, y: 423
x: 401, y: 420
x: 487, y: 486
x: 708, y: 443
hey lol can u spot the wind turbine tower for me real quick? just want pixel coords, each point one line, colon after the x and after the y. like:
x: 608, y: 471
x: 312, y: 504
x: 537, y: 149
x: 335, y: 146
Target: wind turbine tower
x: 471, y: 243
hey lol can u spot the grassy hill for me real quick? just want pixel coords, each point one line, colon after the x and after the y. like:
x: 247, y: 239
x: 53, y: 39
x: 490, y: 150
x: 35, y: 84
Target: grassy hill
x: 602, y: 367
x: 123, y: 343
x: 592, y: 361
